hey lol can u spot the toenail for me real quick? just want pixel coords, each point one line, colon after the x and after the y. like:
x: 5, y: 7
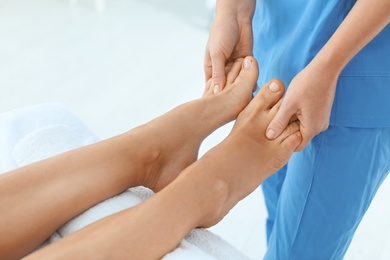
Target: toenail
x: 270, y: 134
x: 274, y: 87
x: 216, y: 89
x: 247, y: 63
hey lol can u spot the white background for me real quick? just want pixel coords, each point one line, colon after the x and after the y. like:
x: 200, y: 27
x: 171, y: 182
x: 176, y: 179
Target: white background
x: 121, y: 64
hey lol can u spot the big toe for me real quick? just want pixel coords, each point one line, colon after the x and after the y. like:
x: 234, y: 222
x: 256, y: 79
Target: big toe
x: 247, y: 76
x: 268, y: 96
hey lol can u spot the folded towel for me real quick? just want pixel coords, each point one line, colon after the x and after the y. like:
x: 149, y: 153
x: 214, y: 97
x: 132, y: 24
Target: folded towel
x: 113, y: 205
x: 45, y: 142
x: 17, y: 124
x: 189, y: 251
x: 39, y: 132
x: 210, y: 243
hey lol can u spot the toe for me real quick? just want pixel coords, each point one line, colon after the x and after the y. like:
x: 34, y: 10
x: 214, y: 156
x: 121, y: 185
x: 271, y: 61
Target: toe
x: 234, y: 71
x: 291, y: 129
x: 248, y: 74
x: 269, y: 95
x: 291, y: 142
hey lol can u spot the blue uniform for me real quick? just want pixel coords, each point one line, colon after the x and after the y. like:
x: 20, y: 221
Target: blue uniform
x: 317, y: 200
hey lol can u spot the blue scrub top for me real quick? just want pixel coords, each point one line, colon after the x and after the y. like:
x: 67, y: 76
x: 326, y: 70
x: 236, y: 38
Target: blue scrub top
x: 289, y: 33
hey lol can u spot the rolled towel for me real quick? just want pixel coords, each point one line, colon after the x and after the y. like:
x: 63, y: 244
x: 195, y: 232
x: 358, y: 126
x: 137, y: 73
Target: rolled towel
x: 188, y: 251
x: 45, y: 142
x: 17, y: 124
x: 213, y: 245
x: 113, y: 205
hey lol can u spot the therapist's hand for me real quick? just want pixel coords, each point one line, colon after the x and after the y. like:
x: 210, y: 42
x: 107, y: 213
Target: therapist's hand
x: 311, y: 93
x: 309, y: 99
x: 230, y: 38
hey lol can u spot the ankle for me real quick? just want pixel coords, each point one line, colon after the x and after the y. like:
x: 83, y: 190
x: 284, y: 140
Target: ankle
x: 146, y: 159
x: 214, y: 206
x: 152, y: 163
x: 217, y: 110
x: 209, y: 197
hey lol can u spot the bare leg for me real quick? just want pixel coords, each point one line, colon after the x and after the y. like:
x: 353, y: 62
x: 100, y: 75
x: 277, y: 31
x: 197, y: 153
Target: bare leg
x: 201, y: 195
x: 38, y: 199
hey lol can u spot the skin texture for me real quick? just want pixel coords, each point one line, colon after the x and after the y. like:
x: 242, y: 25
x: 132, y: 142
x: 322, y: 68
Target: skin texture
x: 230, y: 38
x: 77, y: 180
x: 51, y: 192
x: 311, y: 93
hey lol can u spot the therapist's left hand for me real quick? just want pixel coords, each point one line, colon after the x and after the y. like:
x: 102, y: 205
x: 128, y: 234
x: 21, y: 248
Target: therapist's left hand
x: 309, y: 99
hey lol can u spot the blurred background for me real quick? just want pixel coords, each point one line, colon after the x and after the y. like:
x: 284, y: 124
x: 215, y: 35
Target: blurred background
x: 120, y: 63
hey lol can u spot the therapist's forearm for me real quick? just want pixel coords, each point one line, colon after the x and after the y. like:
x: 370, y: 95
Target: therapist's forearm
x: 242, y: 10
x: 366, y: 19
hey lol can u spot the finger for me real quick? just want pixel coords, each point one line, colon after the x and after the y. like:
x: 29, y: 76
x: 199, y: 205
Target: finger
x: 228, y: 68
x: 290, y: 129
x: 234, y: 71
x: 292, y: 141
x: 207, y: 87
x: 307, y: 135
x: 305, y: 141
x: 280, y: 121
x: 218, y: 72
x: 207, y: 66
x: 294, y: 118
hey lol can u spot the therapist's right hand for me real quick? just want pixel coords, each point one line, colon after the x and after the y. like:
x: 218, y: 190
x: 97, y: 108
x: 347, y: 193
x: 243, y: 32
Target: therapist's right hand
x: 230, y: 38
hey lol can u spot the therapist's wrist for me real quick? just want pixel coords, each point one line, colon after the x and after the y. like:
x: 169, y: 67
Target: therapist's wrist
x: 332, y: 58
x: 327, y: 64
x: 241, y: 10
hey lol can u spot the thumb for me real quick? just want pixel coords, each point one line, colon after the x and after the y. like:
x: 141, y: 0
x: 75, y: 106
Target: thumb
x: 279, y: 122
x: 218, y: 72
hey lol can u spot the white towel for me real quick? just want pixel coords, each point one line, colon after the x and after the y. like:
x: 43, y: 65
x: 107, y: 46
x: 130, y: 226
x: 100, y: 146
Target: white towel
x: 45, y: 142
x: 39, y: 132
x: 17, y: 124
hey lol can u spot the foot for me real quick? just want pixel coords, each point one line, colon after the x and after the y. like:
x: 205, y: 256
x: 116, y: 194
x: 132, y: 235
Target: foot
x: 246, y: 157
x: 172, y: 140
x: 232, y: 70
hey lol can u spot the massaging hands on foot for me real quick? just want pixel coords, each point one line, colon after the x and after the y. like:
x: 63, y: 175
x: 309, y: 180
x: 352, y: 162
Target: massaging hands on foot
x: 310, y: 95
x: 309, y: 98
x: 230, y: 38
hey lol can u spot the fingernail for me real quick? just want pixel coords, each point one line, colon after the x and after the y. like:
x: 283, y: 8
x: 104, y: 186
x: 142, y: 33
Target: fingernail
x: 270, y: 134
x: 216, y: 89
x: 274, y: 87
x: 247, y: 63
